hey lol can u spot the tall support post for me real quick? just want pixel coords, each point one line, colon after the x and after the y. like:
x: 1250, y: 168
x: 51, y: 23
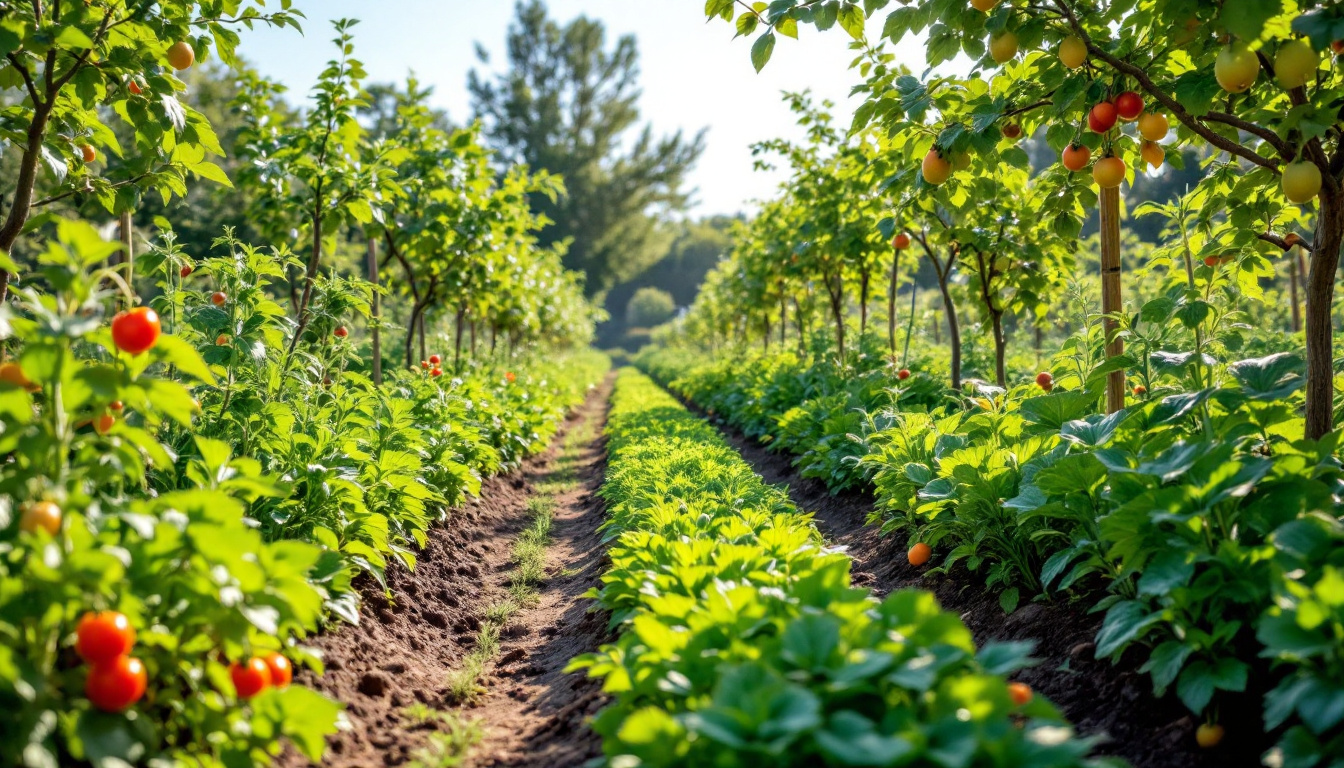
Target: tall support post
x: 1109, y: 203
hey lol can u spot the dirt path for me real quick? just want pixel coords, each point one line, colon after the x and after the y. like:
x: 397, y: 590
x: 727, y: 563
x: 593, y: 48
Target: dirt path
x: 395, y: 670
x: 1114, y: 702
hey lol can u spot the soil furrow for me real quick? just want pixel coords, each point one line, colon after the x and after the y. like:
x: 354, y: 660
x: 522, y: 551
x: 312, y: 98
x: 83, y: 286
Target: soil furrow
x: 393, y: 671
x: 1112, y: 702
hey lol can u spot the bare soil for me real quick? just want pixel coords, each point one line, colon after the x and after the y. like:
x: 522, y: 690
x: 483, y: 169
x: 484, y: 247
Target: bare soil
x: 405, y: 647
x: 1111, y: 701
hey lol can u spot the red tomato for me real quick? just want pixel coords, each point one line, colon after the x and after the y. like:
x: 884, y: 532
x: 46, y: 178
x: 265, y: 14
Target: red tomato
x: 1102, y: 117
x: 186, y: 270
x: 436, y: 372
x: 1129, y: 105
x: 901, y: 242
x: 134, y: 87
x: 104, y: 423
x: 903, y: 374
x: 424, y: 364
x: 1020, y: 693
x: 103, y: 636
x: 1044, y: 380
x: 508, y: 376
x: 251, y: 677
x: 1012, y: 131
x: 434, y: 360
x: 218, y: 298
x: 1211, y: 261
x: 116, y: 684
x: 341, y: 332
x: 1140, y: 390
x: 117, y: 406
x: 88, y: 153
x: 221, y: 340
x: 135, y: 331
x: 281, y: 670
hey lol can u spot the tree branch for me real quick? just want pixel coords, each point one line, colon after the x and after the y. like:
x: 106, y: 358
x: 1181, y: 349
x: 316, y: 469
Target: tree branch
x: 1172, y: 105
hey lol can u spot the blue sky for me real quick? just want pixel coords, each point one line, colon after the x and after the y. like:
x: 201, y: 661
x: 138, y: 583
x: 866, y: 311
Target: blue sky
x: 693, y: 73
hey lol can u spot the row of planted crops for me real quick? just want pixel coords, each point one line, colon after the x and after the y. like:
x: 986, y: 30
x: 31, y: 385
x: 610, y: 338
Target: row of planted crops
x: 1058, y: 390
x: 212, y: 448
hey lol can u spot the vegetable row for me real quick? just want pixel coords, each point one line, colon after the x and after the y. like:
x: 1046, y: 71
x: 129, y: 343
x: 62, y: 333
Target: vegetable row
x: 1197, y: 519
x: 742, y: 642
x: 190, y: 491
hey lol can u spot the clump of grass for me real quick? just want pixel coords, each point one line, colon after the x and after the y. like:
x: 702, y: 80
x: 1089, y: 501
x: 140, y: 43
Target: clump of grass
x: 448, y: 747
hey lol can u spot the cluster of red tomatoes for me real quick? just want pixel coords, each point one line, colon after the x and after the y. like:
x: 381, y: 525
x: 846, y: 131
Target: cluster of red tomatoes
x: 117, y: 680
x: 432, y: 365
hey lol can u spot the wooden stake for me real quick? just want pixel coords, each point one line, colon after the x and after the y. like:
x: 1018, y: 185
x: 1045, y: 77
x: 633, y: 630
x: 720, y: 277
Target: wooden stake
x: 1109, y: 203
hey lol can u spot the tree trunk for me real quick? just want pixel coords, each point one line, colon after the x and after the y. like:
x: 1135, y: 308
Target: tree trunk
x: 424, y: 354
x: 1000, y: 349
x: 473, y: 338
x: 865, y: 278
x: 1320, y: 298
x: 23, y: 186
x: 310, y: 274
x: 375, y: 314
x: 457, y: 342
x: 1292, y: 291
x: 910, y: 324
x: 953, y: 330
x: 127, y: 231
x: 1109, y: 203
x: 837, y: 299
x: 1040, y: 340
x: 765, y: 337
x: 891, y: 304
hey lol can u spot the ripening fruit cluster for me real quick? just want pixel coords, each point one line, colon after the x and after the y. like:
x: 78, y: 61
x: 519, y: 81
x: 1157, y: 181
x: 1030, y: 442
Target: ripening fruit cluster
x: 255, y: 674
x: 116, y: 680
x: 1236, y: 69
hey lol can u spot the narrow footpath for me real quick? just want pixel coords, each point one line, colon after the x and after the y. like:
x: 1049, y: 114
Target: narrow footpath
x: 463, y: 665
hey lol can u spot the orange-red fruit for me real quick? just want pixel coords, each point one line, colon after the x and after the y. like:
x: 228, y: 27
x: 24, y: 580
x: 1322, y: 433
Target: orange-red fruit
x: 41, y: 516
x: 341, y: 332
x: 1109, y: 172
x: 116, y: 684
x: 1020, y: 693
x: 250, y: 677
x: 103, y: 636
x: 104, y: 423
x: 1153, y: 127
x: 221, y: 340
x: 218, y: 298
x: 936, y: 170
x: 281, y: 670
x: 12, y: 373
x: 1140, y: 390
x: 135, y: 331
x: 88, y: 153
x: 436, y: 372
x: 1102, y: 117
x: 186, y: 270
x: 117, y: 406
x: 1129, y: 105
x: 1044, y: 380
x: 434, y: 360
x: 903, y: 374
x: 181, y: 56
x: 1209, y: 735
x: 1211, y: 261
x: 919, y: 554
x: 1075, y: 157
x: 1153, y: 154
x: 1291, y: 239
x: 1012, y: 130
x: 134, y: 87
x: 901, y: 242
x: 1337, y: 46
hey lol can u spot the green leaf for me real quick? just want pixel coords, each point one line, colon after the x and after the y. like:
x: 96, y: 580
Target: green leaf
x: 849, y: 738
x: 851, y: 20
x: 761, y: 50
x: 1126, y: 621
x: 1166, y: 663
